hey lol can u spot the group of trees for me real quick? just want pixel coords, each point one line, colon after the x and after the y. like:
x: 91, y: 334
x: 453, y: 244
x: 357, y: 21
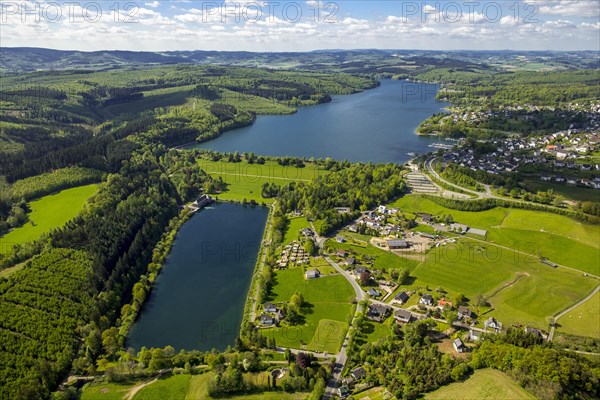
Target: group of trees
x: 359, y: 186
x: 44, y: 311
x: 547, y: 372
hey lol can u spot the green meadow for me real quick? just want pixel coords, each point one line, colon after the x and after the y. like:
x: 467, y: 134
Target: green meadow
x: 294, y: 228
x: 556, y: 237
x: 484, y: 384
x: 519, y: 289
x: 244, y: 181
x: 47, y: 213
x: 325, y: 322
x: 583, y: 320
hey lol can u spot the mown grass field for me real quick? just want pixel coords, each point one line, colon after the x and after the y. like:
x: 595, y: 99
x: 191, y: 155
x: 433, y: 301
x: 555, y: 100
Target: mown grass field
x: 326, y: 318
x: 47, y: 213
x: 174, y: 387
x: 244, y: 181
x: 561, y: 239
x: 583, y: 320
x: 296, y: 224
x: 107, y: 391
x: 484, y: 384
x: 380, y: 258
x: 376, y: 393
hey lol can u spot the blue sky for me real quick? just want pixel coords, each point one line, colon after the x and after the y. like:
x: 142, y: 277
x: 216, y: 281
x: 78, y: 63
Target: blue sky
x: 302, y: 25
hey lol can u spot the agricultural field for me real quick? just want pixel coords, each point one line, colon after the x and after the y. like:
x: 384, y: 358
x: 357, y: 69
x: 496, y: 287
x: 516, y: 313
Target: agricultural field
x: 483, y: 384
x: 244, y: 181
x: 583, y: 320
x: 559, y: 238
x: 576, y: 193
x: 326, y: 318
x: 47, y: 213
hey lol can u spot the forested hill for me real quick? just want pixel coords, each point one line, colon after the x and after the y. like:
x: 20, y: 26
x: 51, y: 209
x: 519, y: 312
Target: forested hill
x: 51, y: 120
x: 25, y: 59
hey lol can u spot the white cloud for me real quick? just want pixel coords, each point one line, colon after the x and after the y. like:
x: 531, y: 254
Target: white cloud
x: 152, y: 4
x: 582, y: 8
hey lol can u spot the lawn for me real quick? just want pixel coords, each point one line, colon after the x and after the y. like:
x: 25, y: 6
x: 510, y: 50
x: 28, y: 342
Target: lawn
x: 244, y: 181
x: 296, y: 224
x: 173, y: 387
x: 326, y: 317
x: 47, y: 213
x: 106, y: 391
x: 583, y: 320
x: 483, y: 384
x: 380, y: 258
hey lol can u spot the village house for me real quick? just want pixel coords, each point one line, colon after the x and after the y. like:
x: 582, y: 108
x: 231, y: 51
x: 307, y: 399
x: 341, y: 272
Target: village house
x: 426, y: 300
x: 360, y: 269
x: 401, y: 297
x: 459, y: 346
x: 444, y: 303
x: 403, y: 316
x: 340, y: 239
x: 474, y: 335
x: 492, y: 323
x: 535, y: 332
x: 350, y: 261
x: 343, y: 391
x: 358, y: 373
x: 378, y: 312
x: 267, y: 320
x: 269, y: 307
x: 373, y: 292
x: 341, y: 253
x: 464, y: 312
x: 312, y: 273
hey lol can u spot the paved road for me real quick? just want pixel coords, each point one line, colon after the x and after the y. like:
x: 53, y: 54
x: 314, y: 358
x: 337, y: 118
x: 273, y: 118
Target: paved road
x: 551, y: 335
x: 342, y: 356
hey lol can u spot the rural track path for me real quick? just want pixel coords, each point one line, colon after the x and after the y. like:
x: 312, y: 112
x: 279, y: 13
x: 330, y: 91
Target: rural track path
x: 562, y: 313
x: 137, y: 388
x: 263, y: 249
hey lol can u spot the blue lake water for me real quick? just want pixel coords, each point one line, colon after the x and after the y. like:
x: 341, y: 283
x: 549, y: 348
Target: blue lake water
x: 198, y: 299
x: 377, y: 125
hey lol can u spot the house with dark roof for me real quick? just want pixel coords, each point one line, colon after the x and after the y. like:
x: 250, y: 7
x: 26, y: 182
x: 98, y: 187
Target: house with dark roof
x: 459, y: 346
x: 426, y: 300
x: 358, y: 373
x: 312, y: 273
x: 359, y: 269
x: 373, y: 292
x: 350, y: 261
x: 267, y: 320
x: 269, y: 307
x: 378, y: 312
x: 427, y: 218
x: 397, y: 244
x: 492, y: 323
x: 403, y: 316
x: 464, y: 312
x: 401, y: 297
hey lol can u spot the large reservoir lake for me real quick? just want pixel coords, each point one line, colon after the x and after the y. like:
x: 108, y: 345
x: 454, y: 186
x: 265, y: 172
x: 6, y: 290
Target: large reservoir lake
x: 198, y: 299
x: 377, y: 125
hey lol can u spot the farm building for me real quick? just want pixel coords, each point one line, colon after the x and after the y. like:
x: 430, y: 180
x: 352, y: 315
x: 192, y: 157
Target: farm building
x: 464, y: 312
x: 397, y: 244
